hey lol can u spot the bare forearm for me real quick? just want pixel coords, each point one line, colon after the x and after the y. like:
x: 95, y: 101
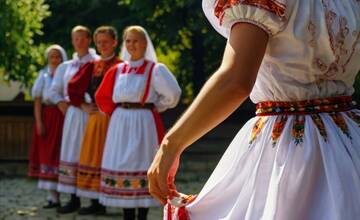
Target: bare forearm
x: 216, y: 101
x: 38, y: 110
x: 225, y: 90
x: 220, y: 96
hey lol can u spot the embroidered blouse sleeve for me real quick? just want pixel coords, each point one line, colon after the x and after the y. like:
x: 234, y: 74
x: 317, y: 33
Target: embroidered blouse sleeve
x: 38, y: 86
x: 266, y: 14
x: 57, y: 85
x: 166, y: 86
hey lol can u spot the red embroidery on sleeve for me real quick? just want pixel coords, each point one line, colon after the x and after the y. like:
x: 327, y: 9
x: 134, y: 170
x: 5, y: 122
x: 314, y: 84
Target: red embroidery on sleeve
x: 273, y: 6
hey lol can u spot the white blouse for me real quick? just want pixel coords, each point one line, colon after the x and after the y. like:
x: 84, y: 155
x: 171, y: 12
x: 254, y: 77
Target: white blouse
x: 313, y: 49
x: 164, y: 90
x: 42, y: 85
x: 63, y: 75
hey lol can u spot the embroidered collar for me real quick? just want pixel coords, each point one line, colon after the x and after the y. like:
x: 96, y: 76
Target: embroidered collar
x: 136, y: 63
x: 131, y: 68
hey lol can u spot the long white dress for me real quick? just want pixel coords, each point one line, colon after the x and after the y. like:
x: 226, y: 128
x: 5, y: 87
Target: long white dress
x: 74, y: 123
x: 132, y: 138
x: 294, y: 167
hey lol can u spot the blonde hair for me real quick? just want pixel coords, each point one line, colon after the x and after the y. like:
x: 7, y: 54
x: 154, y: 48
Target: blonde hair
x: 109, y: 30
x: 135, y: 29
x: 80, y: 28
x: 150, y: 53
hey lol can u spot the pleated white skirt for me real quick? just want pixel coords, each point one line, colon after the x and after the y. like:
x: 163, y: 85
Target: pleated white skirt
x: 73, y: 132
x: 130, y: 147
x: 315, y: 176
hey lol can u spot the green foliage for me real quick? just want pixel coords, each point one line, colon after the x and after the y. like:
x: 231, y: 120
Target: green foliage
x: 184, y: 40
x: 183, y: 26
x: 92, y: 13
x: 20, y: 22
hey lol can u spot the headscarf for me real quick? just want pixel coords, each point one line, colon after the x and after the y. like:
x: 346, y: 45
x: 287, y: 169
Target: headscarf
x: 150, y: 53
x: 58, y: 48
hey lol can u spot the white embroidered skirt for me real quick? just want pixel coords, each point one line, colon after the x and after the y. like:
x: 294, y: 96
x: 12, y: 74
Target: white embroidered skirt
x: 74, y: 125
x: 304, y: 167
x: 130, y: 147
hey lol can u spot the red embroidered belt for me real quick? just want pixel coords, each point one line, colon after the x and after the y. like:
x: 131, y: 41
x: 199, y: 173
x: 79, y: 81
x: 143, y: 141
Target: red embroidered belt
x: 134, y: 105
x: 333, y: 104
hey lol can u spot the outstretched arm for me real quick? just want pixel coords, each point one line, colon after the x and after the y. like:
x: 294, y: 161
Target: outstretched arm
x: 229, y: 86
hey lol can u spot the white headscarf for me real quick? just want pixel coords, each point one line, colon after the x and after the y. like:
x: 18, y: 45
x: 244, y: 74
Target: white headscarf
x: 150, y: 53
x: 58, y: 48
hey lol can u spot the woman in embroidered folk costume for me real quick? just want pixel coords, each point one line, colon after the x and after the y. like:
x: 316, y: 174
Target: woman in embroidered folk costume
x: 87, y: 80
x: 75, y: 118
x: 133, y: 93
x: 45, y: 145
x: 299, y: 158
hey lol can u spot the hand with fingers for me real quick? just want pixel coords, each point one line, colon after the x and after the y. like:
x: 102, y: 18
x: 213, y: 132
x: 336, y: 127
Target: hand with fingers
x: 63, y: 106
x: 89, y: 108
x: 40, y: 128
x: 161, y: 174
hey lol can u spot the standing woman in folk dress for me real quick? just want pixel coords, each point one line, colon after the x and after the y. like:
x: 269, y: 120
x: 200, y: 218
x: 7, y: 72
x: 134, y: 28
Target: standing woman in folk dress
x: 299, y: 158
x: 134, y: 92
x: 46, y: 140
x: 87, y: 80
x: 75, y: 118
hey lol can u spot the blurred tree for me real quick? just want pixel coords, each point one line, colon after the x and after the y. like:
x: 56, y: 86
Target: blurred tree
x: 180, y: 26
x: 183, y: 38
x: 20, y: 22
x: 92, y: 13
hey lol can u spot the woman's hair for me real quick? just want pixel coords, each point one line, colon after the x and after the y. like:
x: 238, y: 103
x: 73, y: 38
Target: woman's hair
x: 135, y: 29
x: 109, y: 30
x: 80, y: 28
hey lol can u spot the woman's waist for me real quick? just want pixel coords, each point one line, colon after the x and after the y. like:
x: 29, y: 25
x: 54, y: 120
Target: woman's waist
x: 50, y: 107
x: 48, y: 103
x: 290, y: 89
x: 303, y: 107
x: 97, y: 115
x: 135, y: 105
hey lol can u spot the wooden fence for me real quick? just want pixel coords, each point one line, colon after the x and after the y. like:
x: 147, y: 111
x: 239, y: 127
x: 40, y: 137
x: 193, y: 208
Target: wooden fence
x: 15, y: 137
x: 16, y: 126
